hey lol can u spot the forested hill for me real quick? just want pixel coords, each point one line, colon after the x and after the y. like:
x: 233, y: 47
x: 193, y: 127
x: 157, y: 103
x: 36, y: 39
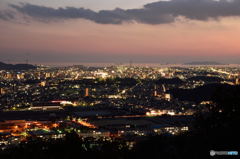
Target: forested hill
x: 4, y: 66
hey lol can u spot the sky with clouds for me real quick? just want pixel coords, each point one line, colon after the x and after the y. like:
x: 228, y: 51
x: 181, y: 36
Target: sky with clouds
x: 173, y: 31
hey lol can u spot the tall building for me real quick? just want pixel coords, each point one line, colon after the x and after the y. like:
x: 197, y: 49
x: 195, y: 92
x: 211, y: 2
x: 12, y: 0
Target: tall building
x: 86, y: 92
x: 155, y: 94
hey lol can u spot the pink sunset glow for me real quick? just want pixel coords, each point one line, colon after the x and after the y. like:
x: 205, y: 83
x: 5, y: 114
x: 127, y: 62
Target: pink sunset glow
x: 186, y: 38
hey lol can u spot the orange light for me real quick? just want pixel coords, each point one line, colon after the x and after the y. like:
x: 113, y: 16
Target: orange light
x: 87, y: 124
x: 55, y: 125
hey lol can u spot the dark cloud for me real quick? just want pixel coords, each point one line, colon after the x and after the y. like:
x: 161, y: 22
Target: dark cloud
x: 153, y: 13
x: 6, y: 15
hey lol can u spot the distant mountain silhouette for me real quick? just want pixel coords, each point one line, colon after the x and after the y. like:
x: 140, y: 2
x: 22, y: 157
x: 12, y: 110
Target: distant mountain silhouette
x: 204, y: 63
x: 5, y: 66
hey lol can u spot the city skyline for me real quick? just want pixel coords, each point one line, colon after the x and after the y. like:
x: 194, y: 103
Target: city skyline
x: 143, y: 31
x: 120, y: 79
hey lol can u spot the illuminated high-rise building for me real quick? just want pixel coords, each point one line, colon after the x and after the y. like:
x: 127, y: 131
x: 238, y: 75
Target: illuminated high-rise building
x: 86, y: 92
x: 155, y: 94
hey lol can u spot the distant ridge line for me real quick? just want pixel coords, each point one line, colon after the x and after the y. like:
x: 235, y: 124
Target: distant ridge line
x: 5, y: 66
x: 204, y: 63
